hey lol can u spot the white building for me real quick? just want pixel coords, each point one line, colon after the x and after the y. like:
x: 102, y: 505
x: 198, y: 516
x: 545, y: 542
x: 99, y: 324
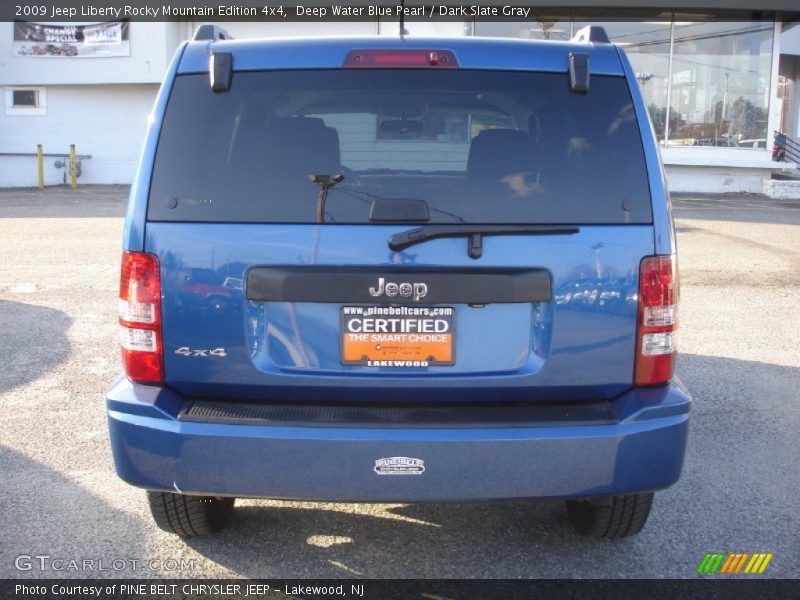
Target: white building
x: 716, y: 91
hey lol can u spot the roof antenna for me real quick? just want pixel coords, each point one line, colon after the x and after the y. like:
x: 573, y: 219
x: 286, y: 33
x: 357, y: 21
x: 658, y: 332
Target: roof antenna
x: 403, y: 30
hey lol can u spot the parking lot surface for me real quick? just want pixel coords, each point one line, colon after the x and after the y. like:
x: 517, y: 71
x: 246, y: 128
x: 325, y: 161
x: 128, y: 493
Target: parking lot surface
x: 59, y: 496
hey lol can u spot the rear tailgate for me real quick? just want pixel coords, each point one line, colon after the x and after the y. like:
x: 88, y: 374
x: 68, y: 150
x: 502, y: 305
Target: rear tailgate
x: 262, y: 300
x: 580, y: 343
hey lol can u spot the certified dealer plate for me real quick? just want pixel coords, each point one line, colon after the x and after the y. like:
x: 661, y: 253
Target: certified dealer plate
x: 398, y: 336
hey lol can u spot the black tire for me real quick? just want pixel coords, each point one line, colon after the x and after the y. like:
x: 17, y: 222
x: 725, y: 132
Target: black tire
x: 610, y: 518
x: 188, y: 516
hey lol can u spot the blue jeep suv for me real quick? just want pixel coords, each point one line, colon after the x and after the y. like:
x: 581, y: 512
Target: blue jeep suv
x: 406, y: 270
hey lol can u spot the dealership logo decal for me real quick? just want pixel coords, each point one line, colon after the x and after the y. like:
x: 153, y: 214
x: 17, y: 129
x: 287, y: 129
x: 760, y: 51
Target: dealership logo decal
x: 734, y: 563
x: 399, y: 465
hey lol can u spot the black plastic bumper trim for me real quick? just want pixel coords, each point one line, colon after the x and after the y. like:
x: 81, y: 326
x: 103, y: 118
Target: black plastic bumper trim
x: 394, y: 416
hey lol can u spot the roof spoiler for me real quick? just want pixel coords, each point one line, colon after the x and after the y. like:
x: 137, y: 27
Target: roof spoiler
x: 591, y: 34
x: 211, y: 33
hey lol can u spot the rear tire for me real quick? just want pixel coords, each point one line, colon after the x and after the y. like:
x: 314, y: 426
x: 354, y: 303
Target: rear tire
x: 610, y: 518
x: 189, y: 516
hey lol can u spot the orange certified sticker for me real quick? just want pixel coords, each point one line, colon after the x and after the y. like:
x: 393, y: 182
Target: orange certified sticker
x: 398, y: 336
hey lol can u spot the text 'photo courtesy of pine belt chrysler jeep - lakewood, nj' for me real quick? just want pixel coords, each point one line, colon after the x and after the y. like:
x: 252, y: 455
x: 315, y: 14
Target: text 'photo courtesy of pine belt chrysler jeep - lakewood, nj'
x: 399, y: 269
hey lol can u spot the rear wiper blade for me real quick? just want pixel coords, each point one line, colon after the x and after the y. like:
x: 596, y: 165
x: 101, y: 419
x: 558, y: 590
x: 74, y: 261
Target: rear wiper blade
x: 473, y: 233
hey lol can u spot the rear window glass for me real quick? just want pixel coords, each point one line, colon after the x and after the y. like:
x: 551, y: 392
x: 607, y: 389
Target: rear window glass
x: 458, y: 146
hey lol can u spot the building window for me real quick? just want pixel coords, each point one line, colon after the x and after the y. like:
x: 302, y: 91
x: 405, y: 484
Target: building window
x: 542, y: 29
x: 704, y: 83
x: 647, y: 46
x: 25, y: 98
x: 720, y: 84
x: 426, y: 28
x: 25, y: 101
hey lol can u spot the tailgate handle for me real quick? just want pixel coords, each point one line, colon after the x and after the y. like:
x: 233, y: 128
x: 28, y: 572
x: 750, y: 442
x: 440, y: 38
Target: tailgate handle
x: 341, y: 285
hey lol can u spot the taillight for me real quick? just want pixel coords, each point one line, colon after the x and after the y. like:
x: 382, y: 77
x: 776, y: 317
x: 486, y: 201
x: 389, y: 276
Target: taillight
x: 140, y: 317
x: 400, y: 59
x: 657, y: 320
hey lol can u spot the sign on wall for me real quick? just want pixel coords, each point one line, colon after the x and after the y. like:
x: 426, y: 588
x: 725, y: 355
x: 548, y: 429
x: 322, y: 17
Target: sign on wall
x: 71, y: 41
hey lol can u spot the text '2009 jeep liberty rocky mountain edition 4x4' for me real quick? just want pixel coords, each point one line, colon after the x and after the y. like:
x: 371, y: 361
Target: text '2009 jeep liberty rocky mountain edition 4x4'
x: 374, y: 269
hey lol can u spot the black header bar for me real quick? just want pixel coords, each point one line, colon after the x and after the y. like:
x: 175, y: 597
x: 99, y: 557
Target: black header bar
x: 412, y: 10
x: 393, y: 589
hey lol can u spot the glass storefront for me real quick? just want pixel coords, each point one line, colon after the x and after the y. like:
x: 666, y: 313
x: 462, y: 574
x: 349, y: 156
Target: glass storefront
x: 720, y: 84
x: 704, y: 83
x: 550, y: 29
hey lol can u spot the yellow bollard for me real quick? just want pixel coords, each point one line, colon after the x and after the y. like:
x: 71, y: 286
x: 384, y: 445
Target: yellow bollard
x: 73, y: 167
x: 40, y: 165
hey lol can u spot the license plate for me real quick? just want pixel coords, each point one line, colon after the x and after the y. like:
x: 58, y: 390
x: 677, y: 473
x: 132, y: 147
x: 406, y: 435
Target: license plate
x: 398, y: 336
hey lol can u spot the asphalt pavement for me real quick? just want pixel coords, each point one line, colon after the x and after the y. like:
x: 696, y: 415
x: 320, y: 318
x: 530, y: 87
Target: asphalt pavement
x: 60, y: 498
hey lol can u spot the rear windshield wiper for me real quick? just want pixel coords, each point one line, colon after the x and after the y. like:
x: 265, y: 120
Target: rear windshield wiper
x: 474, y: 234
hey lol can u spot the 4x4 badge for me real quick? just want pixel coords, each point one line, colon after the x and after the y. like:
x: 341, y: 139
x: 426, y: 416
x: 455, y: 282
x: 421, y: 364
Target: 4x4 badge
x: 186, y: 351
x: 399, y: 465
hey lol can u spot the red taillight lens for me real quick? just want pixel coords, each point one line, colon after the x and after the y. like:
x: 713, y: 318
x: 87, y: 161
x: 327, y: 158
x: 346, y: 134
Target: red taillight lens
x: 400, y: 59
x: 658, y: 320
x: 140, y: 317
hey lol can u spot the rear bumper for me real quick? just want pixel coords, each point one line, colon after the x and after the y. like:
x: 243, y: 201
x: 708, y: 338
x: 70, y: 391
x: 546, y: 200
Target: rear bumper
x: 642, y: 450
